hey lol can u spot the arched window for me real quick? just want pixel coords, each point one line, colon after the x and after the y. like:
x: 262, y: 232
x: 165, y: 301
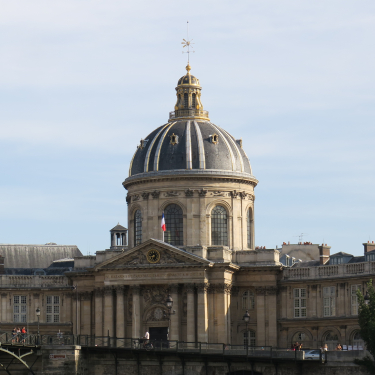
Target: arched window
x: 186, y: 101
x: 303, y: 339
x: 248, y: 300
x: 219, y: 226
x: 174, y: 224
x: 249, y: 338
x: 331, y: 339
x: 357, y: 341
x: 193, y: 104
x: 249, y: 227
x: 137, y: 228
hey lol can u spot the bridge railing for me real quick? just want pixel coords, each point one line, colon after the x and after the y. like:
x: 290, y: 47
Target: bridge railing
x: 265, y: 352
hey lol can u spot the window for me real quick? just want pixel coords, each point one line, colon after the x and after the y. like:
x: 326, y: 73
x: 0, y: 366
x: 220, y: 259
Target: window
x: 53, y: 309
x: 248, y: 300
x: 186, y: 101
x: 193, y: 101
x: 19, y: 309
x: 249, y: 338
x: 354, y: 299
x: 336, y: 260
x: 249, y: 225
x: 174, y: 224
x: 137, y: 228
x: 219, y: 226
x: 329, y: 303
x: 357, y: 341
x: 300, y: 303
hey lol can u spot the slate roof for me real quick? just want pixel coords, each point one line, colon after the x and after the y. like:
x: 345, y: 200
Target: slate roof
x: 341, y: 254
x: 194, y: 150
x: 118, y: 227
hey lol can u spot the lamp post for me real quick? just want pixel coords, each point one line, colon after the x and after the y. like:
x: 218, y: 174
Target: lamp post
x: 246, y: 318
x: 367, y: 298
x: 167, y: 314
x: 37, y: 311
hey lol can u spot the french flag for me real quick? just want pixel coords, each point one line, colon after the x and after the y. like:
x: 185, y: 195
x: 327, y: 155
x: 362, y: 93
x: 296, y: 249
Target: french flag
x: 163, y: 223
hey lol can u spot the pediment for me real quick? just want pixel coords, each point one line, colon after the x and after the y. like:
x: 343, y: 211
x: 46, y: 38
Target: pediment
x: 139, y: 257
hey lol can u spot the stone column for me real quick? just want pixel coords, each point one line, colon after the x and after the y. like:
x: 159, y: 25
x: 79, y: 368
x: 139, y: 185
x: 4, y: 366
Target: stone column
x: 136, y: 313
x: 108, y: 311
x: 120, y: 313
x: 204, y: 234
x: 261, y: 322
x: 76, y: 313
x: 202, y: 312
x: 98, y: 312
x: 221, y: 309
x: 190, y: 316
x: 86, y: 313
x: 272, y: 316
x: 4, y: 299
x: 174, y: 333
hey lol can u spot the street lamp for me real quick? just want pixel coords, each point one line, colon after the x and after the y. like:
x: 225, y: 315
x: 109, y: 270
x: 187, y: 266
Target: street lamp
x: 367, y: 298
x: 37, y: 311
x: 246, y: 318
x: 167, y: 314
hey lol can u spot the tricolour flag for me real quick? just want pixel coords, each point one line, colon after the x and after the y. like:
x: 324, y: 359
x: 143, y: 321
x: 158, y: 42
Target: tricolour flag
x: 163, y: 223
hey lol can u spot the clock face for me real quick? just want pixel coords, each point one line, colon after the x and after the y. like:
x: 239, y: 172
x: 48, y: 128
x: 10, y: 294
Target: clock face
x: 153, y: 256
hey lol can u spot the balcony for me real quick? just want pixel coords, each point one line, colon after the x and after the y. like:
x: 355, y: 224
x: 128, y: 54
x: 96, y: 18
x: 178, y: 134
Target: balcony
x: 189, y: 114
x: 329, y: 271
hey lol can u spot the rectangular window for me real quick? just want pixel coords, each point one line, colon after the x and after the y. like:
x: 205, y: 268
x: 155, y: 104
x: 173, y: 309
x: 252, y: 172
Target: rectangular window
x: 354, y: 298
x: 300, y: 303
x: 329, y: 301
x: 19, y: 309
x: 53, y: 309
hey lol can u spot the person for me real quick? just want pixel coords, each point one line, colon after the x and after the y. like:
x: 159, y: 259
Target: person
x: 14, y: 335
x: 146, y: 338
x: 339, y: 347
x: 325, y: 348
x: 18, y: 334
x: 300, y: 346
x: 23, y: 332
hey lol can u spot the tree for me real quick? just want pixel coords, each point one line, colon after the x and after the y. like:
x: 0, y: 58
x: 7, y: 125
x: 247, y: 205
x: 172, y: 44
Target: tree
x: 366, y: 320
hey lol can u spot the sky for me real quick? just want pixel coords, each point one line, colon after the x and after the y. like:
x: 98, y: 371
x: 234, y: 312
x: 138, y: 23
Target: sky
x: 83, y: 81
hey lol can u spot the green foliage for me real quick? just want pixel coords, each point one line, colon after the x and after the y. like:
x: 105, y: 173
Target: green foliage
x: 366, y: 320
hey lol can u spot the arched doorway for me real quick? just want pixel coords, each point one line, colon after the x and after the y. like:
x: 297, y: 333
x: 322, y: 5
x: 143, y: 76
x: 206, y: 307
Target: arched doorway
x: 302, y: 338
x: 331, y: 339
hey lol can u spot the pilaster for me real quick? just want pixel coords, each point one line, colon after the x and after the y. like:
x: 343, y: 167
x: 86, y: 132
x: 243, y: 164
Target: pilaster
x: 136, y: 315
x: 190, y: 318
x: 202, y: 312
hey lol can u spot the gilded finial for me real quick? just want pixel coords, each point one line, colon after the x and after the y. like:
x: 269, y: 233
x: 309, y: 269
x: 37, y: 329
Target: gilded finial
x: 187, y: 43
x: 188, y: 68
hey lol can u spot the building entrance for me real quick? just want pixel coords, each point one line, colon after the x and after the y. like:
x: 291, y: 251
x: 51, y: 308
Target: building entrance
x: 159, y: 333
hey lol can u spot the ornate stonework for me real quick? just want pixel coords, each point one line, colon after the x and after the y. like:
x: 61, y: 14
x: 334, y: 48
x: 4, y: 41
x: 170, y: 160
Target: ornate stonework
x: 154, y: 295
x: 155, y: 194
x: 189, y: 193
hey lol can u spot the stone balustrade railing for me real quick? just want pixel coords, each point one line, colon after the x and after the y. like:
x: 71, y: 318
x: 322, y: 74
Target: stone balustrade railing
x: 328, y: 271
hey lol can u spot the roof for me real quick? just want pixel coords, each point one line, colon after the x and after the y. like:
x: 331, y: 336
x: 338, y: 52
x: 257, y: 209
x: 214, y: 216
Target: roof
x: 310, y: 263
x: 118, y: 227
x: 36, y: 256
x: 341, y: 254
x: 190, y: 145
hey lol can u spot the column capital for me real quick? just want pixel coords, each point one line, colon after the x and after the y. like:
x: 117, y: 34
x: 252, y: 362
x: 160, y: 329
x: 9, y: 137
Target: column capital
x: 173, y: 288
x: 119, y: 289
x: 85, y: 296
x: 202, y: 287
x: 189, y: 288
x: 221, y: 288
x: 98, y: 292
x: 136, y: 289
x: 108, y: 290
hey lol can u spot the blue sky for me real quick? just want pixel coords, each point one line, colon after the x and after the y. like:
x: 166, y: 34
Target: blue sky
x: 83, y: 81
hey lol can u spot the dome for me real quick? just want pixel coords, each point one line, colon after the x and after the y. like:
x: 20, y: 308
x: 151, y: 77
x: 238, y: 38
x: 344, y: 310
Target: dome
x: 186, y: 145
x: 189, y: 143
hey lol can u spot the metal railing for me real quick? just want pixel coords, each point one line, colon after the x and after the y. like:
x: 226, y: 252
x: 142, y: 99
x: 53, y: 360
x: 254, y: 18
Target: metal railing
x: 173, y: 346
x: 188, y: 113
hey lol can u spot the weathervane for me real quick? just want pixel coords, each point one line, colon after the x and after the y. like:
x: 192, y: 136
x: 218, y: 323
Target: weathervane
x: 187, y: 43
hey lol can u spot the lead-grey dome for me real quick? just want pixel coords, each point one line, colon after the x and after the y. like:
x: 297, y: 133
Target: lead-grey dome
x: 190, y: 146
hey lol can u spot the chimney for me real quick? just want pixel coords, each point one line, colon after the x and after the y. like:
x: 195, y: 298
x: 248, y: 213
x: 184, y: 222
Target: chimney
x: 324, y: 253
x: 2, y: 270
x: 369, y: 246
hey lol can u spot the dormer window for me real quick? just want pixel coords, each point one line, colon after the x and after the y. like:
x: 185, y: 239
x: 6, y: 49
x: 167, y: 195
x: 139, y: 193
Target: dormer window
x: 174, y: 139
x: 214, y: 138
x: 143, y: 143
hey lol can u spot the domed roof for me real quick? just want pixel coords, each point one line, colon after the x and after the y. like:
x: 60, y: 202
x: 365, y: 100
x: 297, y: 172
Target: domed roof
x: 188, y: 79
x: 190, y: 146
